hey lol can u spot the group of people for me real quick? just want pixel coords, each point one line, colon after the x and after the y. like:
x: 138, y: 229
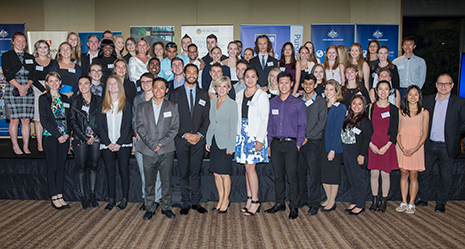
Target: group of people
x: 309, y: 118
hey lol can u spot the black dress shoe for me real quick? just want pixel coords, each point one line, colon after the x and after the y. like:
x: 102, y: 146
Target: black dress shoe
x: 93, y: 200
x: 148, y: 215
x: 420, y: 202
x: 276, y: 208
x: 312, y: 211
x: 111, y: 204
x: 123, y: 204
x: 199, y: 209
x: 440, y: 208
x: 184, y: 211
x: 142, y: 207
x: 168, y: 213
x: 85, y: 203
x: 329, y: 210
x: 302, y: 204
x: 353, y: 213
x: 294, y: 213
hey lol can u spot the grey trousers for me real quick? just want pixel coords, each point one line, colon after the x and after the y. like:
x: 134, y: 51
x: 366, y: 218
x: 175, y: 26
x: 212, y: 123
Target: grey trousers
x: 140, y: 163
x: 162, y: 165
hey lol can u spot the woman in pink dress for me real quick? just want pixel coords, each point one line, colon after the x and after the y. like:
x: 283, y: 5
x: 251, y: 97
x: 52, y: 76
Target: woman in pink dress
x: 413, y: 131
x: 382, y: 153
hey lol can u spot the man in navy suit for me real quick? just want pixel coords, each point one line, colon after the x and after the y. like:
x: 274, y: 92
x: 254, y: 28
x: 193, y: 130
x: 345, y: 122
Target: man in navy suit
x: 194, y: 107
x: 446, y: 128
x: 263, y: 62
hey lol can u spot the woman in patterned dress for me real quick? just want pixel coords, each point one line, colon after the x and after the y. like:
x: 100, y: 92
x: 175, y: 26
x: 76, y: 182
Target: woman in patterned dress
x: 19, y: 70
x: 251, y: 145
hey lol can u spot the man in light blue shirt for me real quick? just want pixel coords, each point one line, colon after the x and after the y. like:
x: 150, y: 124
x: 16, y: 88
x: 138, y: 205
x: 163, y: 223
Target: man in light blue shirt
x: 412, y: 69
x: 165, y: 64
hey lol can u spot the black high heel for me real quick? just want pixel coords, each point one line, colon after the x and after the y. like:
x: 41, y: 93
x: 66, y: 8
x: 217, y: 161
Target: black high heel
x: 244, y: 209
x: 64, y: 206
x: 55, y: 207
x: 226, y: 210
x: 248, y: 213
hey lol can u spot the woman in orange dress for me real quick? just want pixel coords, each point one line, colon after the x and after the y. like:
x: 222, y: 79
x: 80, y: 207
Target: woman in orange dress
x: 413, y: 131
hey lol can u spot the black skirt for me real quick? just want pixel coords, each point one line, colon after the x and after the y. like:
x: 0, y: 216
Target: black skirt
x: 331, y: 170
x: 220, y: 162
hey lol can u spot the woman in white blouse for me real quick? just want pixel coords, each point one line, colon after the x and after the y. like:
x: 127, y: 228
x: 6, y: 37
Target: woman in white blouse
x: 115, y: 134
x: 138, y: 63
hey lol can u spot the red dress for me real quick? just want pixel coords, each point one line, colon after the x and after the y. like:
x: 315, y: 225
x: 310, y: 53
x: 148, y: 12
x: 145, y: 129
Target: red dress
x: 388, y: 161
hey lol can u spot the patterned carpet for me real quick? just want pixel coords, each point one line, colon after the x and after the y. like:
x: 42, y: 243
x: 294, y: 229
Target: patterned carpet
x: 35, y: 224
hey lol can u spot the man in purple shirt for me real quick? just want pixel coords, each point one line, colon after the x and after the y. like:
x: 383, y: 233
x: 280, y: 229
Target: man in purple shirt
x: 286, y: 131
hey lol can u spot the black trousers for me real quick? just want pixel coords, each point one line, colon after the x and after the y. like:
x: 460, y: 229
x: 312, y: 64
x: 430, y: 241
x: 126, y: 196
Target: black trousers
x: 162, y: 164
x: 86, y: 157
x: 285, y: 157
x: 356, y: 175
x: 109, y: 158
x: 55, y: 154
x: 310, y: 166
x: 434, y: 152
x: 189, y: 164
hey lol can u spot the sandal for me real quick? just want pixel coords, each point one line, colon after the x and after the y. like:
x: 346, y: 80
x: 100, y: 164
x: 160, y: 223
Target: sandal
x: 402, y: 207
x: 56, y: 207
x: 248, y: 213
x: 410, y: 209
x: 244, y: 209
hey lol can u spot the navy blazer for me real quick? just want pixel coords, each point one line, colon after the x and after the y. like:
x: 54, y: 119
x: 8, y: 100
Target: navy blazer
x: 200, y: 120
x: 454, y: 127
x: 263, y: 73
x: 126, y: 126
x: 335, y: 120
x: 11, y: 65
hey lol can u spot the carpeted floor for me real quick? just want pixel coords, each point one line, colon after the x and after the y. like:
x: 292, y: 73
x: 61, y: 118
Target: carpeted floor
x: 35, y: 224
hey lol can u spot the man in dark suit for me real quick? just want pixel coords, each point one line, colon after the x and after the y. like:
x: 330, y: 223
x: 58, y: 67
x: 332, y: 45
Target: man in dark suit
x: 194, y: 106
x: 447, y: 126
x: 263, y: 62
x: 86, y: 58
x: 177, y: 66
x: 157, y: 123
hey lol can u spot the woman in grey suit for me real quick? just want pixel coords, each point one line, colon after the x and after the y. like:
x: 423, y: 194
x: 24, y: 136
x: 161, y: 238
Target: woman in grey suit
x: 221, y: 140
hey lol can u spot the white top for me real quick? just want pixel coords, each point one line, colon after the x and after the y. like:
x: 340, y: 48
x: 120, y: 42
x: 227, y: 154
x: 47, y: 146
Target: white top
x: 233, y: 74
x: 136, y: 68
x: 259, y: 109
x: 334, y: 74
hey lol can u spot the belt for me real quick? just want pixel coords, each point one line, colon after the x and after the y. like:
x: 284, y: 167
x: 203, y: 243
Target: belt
x: 60, y: 119
x: 286, y: 139
x: 438, y: 142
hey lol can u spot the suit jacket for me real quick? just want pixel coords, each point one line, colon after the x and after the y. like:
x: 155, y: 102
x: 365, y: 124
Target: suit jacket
x: 263, y: 73
x: 11, y: 65
x: 207, y: 78
x: 46, y: 115
x: 454, y: 127
x: 200, y: 120
x: 125, y: 131
x: 223, y: 124
x: 335, y: 120
x: 85, y: 62
x: 163, y: 132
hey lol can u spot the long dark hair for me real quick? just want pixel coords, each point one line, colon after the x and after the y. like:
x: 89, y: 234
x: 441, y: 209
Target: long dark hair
x: 282, y: 60
x: 357, y: 79
x: 351, y: 119
x: 404, y: 105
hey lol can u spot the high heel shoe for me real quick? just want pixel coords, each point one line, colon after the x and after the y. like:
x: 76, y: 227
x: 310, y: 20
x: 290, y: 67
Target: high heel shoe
x: 56, y: 207
x: 244, y: 209
x: 64, y: 206
x: 224, y: 211
x: 248, y: 213
x: 215, y: 209
x: 329, y: 210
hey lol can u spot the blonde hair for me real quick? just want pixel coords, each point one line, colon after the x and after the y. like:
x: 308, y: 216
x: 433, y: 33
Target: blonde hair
x: 75, y: 52
x: 337, y: 87
x: 146, y: 43
x: 107, y: 104
x: 344, y: 59
x: 52, y: 74
x: 221, y: 80
x: 36, y: 47
x: 359, y: 59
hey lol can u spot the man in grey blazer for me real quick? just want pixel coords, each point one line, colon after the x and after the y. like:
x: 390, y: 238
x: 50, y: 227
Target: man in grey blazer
x: 157, y: 123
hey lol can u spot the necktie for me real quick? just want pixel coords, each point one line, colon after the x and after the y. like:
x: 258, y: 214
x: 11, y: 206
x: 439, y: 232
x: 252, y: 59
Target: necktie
x: 191, y: 107
x: 263, y: 62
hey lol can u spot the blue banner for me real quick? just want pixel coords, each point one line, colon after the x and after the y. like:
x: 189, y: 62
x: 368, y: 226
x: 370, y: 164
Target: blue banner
x: 278, y: 34
x: 386, y: 35
x: 324, y: 35
x: 84, y: 35
x: 6, y: 31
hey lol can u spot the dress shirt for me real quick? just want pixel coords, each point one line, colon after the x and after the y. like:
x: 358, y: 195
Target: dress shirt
x: 439, y: 119
x: 261, y: 59
x: 177, y: 84
x: 184, y: 58
x: 165, y: 70
x: 308, y: 102
x: 287, y: 119
x: 190, y: 101
x: 411, y: 71
x: 91, y: 57
x: 156, y: 109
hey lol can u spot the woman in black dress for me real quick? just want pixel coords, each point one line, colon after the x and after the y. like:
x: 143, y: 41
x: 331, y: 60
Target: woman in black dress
x: 67, y: 69
x: 19, y: 70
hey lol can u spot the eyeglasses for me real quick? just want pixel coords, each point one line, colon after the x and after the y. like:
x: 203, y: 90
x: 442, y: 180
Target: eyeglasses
x: 95, y: 71
x: 444, y: 83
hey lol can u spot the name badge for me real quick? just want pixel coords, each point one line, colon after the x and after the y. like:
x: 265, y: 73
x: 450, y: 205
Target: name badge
x: 71, y: 70
x: 385, y: 115
x: 65, y: 105
x: 275, y: 111
x: 167, y: 114
x: 202, y: 102
x: 250, y: 103
x: 336, y: 104
x: 269, y: 95
x: 29, y: 61
x: 85, y: 108
x: 359, y: 93
x: 282, y: 69
x: 138, y: 89
x: 309, y: 102
x: 323, y: 95
x: 270, y: 64
x: 39, y: 68
x: 306, y: 70
x: 357, y: 130
x: 110, y: 66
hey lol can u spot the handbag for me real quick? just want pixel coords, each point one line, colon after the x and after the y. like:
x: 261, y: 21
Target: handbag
x: 15, y: 92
